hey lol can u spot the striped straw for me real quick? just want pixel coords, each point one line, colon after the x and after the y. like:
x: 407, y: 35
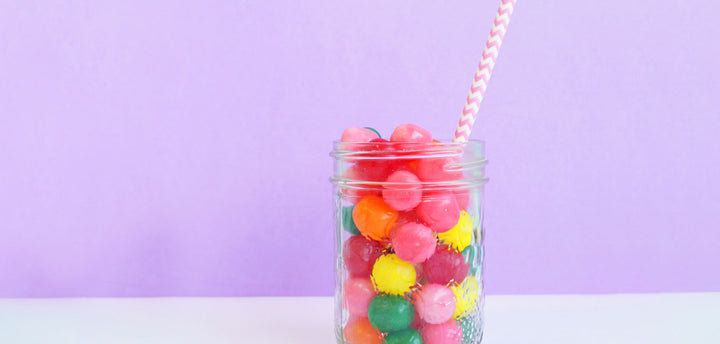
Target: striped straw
x: 484, y: 71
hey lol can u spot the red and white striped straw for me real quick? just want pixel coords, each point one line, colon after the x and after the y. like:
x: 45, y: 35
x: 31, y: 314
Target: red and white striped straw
x: 484, y: 71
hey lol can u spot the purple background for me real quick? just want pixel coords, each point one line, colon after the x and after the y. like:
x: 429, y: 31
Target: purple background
x: 177, y: 148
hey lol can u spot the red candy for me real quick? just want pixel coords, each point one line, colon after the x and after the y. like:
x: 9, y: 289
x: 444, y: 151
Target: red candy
x: 438, y: 170
x: 359, y: 255
x: 377, y: 169
x: 414, y: 242
x: 353, y: 194
x: 402, y: 197
x: 439, y: 210
x: 445, y: 266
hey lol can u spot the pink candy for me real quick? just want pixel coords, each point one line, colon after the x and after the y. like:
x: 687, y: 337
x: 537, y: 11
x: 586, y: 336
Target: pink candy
x: 438, y: 169
x: 446, y: 333
x: 414, y: 242
x: 435, y: 303
x: 402, y: 197
x: 353, y: 195
x: 357, y: 294
x: 439, y: 210
x: 354, y: 134
x: 445, y: 265
x: 410, y: 133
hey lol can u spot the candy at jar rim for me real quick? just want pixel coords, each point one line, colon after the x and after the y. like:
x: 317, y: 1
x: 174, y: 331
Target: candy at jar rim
x: 390, y: 313
x: 444, y: 266
x: 377, y: 164
x: 374, y: 218
x: 392, y: 275
x: 466, y: 295
x: 406, y: 336
x: 357, y: 192
x: 439, y: 210
x: 413, y: 242
x: 446, y: 333
x: 360, y: 331
x: 359, y: 255
x: 403, y: 196
x: 438, y: 169
x: 357, y: 293
x: 355, y: 134
x: 435, y: 303
x: 410, y: 133
x: 460, y: 236
x: 347, y: 222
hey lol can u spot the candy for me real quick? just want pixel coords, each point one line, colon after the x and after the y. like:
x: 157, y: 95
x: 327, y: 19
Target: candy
x: 357, y: 293
x: 446, y: 333
x: 444, y: 266
x: 376, y: 164
x: 414, y: 242
x: 392, y: 275
x: 359, y: 255
x: 470, y: 255
x: 466, y: 295
x: 435, y: 303
x: 360, y: 331
x: 460, y: 236
x: 405, y: 196
x: 347, y: 221
x: 439, y: 210
x: 374, y: 218
x: 390, y: 313
x: 356, y: 192
x: 354, y: 134
x: 470, y: 328
x: 463, y: 198
x: 438, y: 169
x: 411, y: 133
x: 376, y: 132
x: 406, y: 336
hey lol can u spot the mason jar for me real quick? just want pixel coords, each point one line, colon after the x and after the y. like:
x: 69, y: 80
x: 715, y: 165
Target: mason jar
x: 409, y: 242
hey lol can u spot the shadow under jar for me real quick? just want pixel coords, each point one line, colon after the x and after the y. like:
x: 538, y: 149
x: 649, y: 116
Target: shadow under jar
x: 409, y: 242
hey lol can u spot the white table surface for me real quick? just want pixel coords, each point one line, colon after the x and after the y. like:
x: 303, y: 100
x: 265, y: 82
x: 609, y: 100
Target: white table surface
x: 557, y: 319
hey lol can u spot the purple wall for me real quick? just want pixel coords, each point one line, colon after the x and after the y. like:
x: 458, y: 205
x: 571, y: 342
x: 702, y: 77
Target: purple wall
x: 159, y: 148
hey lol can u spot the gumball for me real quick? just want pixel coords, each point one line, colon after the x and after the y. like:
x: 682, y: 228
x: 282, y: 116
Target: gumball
x: 357, y: 192
x: 445, y: 266
x: 359, y: 255
x: 406, y: 336
x: 446, y: 333
x: 466, y: 295
x: 376, y: 164
x: 407, y: 217
x: 392, y: 275
x: 414, y: 242
x: 347, y: 222
x: 403, y: 196
x: 435, y: 303
x: 438, y: 169
x: 360, y: 331
x: 460, y: 236
x: 390, y: 313
x: 354, y: 134
x: 374, y: 218
x: 439, y: 210
x: 411, y: 133
x: 357, y: 293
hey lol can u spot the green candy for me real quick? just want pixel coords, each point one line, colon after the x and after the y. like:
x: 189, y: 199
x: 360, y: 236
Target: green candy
x: 347, y: 221
x: 469, y: 253
x: 390, y: 313
x: 406, y: 336
x: 470, y: 328
x: 376, y: 132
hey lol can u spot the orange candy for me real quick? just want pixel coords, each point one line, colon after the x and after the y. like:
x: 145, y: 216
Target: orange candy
x: 360, y: 331
x: 374, y: 218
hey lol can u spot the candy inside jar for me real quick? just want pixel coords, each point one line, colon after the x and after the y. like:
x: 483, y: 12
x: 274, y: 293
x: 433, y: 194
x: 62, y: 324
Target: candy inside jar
x: 409, y: 238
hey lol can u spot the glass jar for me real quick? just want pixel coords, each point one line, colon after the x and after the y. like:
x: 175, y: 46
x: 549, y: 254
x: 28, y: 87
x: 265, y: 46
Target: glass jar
x: 409, y: 242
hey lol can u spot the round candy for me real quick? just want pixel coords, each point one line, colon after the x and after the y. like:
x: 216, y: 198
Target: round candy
x: 390, y: 313
x: 466, y: 294
x: 374, y: 218
x: 360, y: 331
x: 378, y: 163
x: 347, y: 221
x: 359, y: 255
x: 392, y: 275
x: 357, y: 293
x: 376, y: 132
x: 446, y: 333
x: 406, y: 336
x: 438, y: 169
x: 354, y: 134
x: 414, y: 242
x: 439, y: 210
x: 411, y: 133
x: 460, y: 236
x: 357, y: 192
x: 403, y: 196
x: 435, y: 303
x: 445, y: 266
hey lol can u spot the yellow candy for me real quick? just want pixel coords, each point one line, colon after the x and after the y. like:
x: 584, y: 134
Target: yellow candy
x: 460, y: 236
x: 393, y: 275
x: 466, y: 295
